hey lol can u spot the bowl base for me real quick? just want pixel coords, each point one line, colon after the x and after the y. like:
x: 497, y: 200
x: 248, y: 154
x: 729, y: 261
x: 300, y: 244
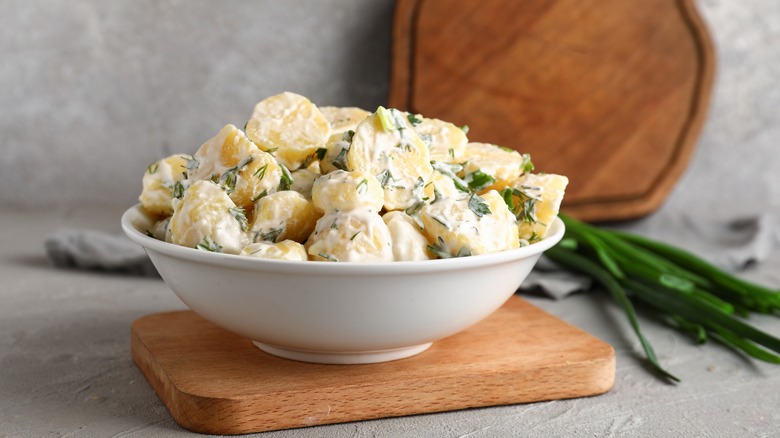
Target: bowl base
x: 342, y: 358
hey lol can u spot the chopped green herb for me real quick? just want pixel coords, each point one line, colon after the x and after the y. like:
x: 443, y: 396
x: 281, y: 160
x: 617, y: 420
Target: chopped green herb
x: 362, y: 187
x: 527, y: 166
x: 261, y: 195
x: 334, y: 225
x: 321, y: 153
x: 178, y: 190
x: 385, y: 119
x: 149, y: 233
x: 414, y: 119
x: 208, y: 245
x: 479, y: 180
x: 525, y: 207
x: 240, y: 215
x: 247, y: 122
x: 437, y: 196
x: 478, y: 205
x: 385, y: 178
x: 442, y: 251
x: 328, y: 257
x: 452, y: 153
x: 442, y: 221
x: 287, y: 180
x: 354, y: 235
x: 426, y: 138
x: 270, y: 236
x: 340, y: 162
x: 229, y: 179
x: 415, y: 208
x: 451, y: 171
x: 463, y: 252
x: 272, y: 151
x: 152, y: 167
x: 260, y: 173
x: 465, y: 129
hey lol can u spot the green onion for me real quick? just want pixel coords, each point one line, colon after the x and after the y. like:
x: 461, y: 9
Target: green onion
x: 696, y: 297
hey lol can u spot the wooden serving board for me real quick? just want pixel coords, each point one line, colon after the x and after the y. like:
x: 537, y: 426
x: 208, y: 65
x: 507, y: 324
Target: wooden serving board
x: 213, y: 381
x: 611, y: 93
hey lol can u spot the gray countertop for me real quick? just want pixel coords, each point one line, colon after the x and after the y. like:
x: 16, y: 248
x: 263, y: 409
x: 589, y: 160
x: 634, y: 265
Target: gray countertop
x: 65, y: 366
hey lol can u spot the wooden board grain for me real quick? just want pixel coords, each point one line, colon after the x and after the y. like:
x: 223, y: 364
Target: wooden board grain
x: 213, y: 381
x: 611, y: 93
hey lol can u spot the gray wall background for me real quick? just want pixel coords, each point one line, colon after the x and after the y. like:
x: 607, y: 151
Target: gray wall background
x: 93, y: 91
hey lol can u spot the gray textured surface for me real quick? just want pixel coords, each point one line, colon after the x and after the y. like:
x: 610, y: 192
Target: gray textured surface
x: 93, y: 91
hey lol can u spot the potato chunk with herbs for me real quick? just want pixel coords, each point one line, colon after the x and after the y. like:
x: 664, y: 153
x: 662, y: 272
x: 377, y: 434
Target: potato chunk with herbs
x: 283, y: 215
x: 220, y: 153
x: 207, y: 219
x: 493, y: 167
x: 358, y: 235
x: 284, y: 250
x: 343, y: 119
x: 470, y: 226
x: 441, y: 186
x: 161, y: 181
x: 536, y: 200
x: 334, y: 156
x: 386, y: 146
x: 446, y: 142
x: 342, y: 190
x: 290, y: 126
x: 257, y: 176
x: 409, y: 242
x: 303, y: 179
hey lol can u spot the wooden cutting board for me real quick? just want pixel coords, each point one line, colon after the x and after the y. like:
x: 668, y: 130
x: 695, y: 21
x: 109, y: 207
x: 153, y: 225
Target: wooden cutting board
x: 611, y: 93
x: 213, y: 381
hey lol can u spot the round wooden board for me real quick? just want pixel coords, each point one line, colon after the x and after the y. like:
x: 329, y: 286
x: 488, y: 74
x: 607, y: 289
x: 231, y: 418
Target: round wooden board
x: 610, y: 93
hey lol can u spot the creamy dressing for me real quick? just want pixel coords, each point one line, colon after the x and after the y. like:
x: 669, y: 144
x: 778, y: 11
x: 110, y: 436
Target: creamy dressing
x: 358, y: 235
x: 205, y: 212
x: 408, y: 241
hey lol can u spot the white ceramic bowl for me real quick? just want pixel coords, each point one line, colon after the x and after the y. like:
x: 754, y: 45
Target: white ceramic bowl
x: 345, y: 313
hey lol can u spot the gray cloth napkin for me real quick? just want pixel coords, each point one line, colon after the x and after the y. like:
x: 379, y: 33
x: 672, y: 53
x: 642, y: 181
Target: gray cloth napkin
x: 731, y: 245
x: 96, y: 250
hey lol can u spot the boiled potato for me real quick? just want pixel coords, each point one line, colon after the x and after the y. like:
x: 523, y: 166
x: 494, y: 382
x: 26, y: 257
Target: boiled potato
x: 386, y: 146
x: 358, y: 235
x: 283, y: 215
x: 446, y: 142
x: 334, y: 157
x: 443, y: 185
x: 284, y: 250
x: 160, y: 184
x: 342, y: 190
x: 256, y: 176
x: 289, y: 126
x: 502, y: 165
x: 303, y: 179
x: 161, y: 230
x: 224, y: 151
x: 537, y: 199
x: 409, y: 243
x: 207, y: 219
x: 470, y: 226
x: 343, y: 119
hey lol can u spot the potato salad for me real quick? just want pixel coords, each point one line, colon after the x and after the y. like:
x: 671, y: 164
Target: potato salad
x: 342, y: 184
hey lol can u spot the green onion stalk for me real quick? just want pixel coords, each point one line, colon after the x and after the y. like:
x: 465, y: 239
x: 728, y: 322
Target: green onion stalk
x: 695, y: 296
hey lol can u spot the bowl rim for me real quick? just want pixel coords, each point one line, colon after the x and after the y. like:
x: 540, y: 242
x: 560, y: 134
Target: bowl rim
x: 135, y: 214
